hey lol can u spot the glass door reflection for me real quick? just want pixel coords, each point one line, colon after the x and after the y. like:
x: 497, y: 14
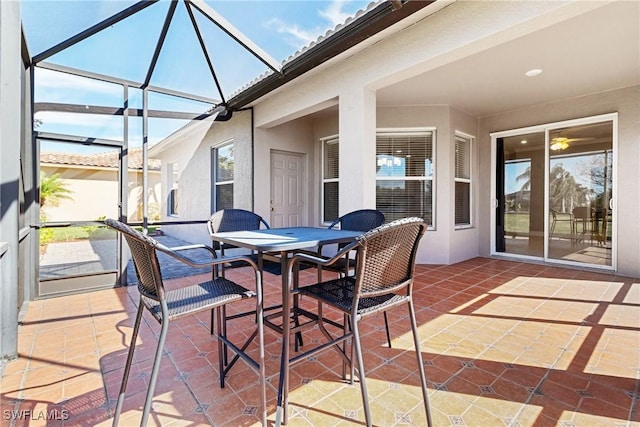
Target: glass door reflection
x: 580, y: 193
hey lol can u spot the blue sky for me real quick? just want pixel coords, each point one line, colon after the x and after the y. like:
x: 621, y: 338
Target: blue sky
x: 278, y: 27
x: 124, y: 50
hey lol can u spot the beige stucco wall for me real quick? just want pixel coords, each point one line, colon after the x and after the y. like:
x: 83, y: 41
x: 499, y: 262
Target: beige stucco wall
x: 292, y: 137
x: 444, y: 244
x: 94, y: 193
x: 626, y: 102
x: 339, y: 98
x: 193, y: 154
x: 351, y: 82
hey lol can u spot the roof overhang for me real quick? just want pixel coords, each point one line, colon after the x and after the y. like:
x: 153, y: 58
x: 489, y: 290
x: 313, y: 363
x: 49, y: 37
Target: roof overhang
x: 362, y: 28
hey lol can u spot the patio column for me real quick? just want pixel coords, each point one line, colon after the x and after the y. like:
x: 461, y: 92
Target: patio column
x: 357, y: 132
x: 11, y: 70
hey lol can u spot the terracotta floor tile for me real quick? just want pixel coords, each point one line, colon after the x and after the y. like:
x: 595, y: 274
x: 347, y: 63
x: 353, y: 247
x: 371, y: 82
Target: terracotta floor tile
x: 503, y: 343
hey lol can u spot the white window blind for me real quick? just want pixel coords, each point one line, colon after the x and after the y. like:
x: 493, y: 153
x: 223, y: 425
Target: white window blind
x: 173, y: 189
x: 462, y: 181
x: 404, y: 174
x: 330, y: 179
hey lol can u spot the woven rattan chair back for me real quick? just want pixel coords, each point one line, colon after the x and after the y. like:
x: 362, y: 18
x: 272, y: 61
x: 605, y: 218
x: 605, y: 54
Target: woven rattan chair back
x: 145, y: 260
x: 360, y: 220
x: 235, y: 220
x: 386, y: 257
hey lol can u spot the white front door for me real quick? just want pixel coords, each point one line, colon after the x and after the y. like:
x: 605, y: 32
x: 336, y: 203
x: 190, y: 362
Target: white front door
x: 287, y: 191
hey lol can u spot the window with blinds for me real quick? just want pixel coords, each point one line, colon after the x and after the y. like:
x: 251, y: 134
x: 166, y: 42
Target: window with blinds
x: 223, y: 177
x: 463, y: 181
x: 330, y: 179
x: 405, y: 175
x: 173, y: 189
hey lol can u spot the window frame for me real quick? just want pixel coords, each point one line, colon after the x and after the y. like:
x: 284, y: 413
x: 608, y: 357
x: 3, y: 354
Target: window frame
x: 333, y: 139
x: 174, y: 187
x: 417, y: 131
x: 469, y: 139
x: 214, y: 174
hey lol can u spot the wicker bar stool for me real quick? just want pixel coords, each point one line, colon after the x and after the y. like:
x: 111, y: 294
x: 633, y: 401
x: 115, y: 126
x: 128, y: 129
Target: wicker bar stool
x: 165, y: 306
x: 359, y: 220
x: 385, y: 265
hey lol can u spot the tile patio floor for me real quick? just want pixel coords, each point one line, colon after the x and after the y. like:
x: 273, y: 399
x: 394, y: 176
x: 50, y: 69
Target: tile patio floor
x: 505, y: 344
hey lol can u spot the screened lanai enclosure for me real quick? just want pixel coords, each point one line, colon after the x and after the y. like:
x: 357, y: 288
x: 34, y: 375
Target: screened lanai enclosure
x: 101, y: 98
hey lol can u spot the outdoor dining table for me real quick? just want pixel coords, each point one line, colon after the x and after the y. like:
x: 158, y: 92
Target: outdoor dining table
x: 276, y: 244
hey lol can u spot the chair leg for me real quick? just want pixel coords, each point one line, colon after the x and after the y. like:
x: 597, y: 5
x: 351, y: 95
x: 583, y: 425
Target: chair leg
x: 221, y: 348
x: 223, y: 319
x: 345, y: 330
x: 386, y: 327
x: 423, y: 378
x: 361, y: 375
x: 261, y: 351
x: 127, y: 366
x: 156, y: 364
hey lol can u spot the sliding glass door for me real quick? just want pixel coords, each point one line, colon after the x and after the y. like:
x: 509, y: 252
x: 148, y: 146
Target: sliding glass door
x: 554, y: 187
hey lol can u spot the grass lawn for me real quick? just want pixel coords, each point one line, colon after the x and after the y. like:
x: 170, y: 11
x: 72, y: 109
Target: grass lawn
x: 73, y: 233
x: 518, y: 224
x: 70, y: 234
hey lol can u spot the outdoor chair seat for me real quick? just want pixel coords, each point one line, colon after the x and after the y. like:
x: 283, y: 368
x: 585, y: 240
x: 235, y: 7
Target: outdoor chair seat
x: 167, y: 305
x: 339, y: 294
x: 193, y: 299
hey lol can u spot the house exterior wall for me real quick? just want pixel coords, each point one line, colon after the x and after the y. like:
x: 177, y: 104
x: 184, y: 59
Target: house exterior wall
x: 85, y: 183
x: 351, y: 83
x: 626, y: 102
x: 193, y: 154
x: 435, y: 40
x: 292, y: 137
x: 339, y: 98
x: 445, y: 244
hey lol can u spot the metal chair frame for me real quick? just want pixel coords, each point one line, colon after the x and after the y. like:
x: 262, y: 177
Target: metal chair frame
x: 169, y: 305
x: 359, y: 220
x: 385, y: 267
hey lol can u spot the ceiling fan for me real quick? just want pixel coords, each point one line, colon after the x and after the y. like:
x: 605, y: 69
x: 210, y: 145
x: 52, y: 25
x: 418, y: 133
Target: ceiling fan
x: 562, y: 143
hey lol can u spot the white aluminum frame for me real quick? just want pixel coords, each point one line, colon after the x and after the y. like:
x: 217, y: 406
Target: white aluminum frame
x: 546, y: 128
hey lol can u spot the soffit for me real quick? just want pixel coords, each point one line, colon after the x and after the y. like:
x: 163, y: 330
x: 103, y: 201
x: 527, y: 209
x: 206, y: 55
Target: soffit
x: 590, y: 53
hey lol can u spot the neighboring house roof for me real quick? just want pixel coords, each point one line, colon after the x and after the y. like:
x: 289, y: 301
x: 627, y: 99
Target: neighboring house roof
x: 106, y: 160
x: 378, y: 16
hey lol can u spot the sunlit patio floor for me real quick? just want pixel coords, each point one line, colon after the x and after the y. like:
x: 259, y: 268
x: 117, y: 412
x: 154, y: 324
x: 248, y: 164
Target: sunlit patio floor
x: 504, y: 344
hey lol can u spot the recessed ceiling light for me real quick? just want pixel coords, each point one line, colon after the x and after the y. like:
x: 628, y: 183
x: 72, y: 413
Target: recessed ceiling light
x: 524, y: 141
x: 534, y: 72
